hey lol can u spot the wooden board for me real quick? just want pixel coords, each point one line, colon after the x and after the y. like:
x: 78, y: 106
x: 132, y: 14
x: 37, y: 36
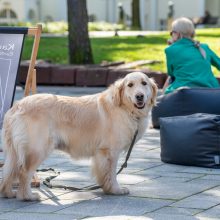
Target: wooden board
x: 136, y: 64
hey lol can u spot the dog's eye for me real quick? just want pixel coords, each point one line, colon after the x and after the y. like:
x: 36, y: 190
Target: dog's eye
x: 144, y: 83
x: 130, y: 84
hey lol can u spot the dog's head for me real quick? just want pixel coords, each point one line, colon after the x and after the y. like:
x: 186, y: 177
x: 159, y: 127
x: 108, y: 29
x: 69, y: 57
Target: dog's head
x: 136, y: 91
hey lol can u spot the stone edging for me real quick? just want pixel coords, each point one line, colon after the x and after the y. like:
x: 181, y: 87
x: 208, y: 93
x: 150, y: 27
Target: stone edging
x: 78, y: 75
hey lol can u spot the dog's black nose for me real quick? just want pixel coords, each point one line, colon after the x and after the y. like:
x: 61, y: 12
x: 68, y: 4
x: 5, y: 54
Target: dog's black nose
x: 140, y: 97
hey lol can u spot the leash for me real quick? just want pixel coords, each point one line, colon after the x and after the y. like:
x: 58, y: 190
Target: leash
x: 47, y: 181
x: 124, y: 165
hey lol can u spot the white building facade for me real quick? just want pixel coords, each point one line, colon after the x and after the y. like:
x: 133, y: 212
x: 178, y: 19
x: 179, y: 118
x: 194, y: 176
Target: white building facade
x: 153, y: 13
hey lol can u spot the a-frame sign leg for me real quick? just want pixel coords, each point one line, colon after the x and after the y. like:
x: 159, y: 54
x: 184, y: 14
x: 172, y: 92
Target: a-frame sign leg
x: 31, y: 81
x: 34, y: 82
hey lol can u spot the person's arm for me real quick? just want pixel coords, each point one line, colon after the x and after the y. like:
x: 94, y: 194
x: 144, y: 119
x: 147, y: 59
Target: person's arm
x: 166, y: 84
x: 169, y: 62
x: 215, y: 60
x: 169, y: 72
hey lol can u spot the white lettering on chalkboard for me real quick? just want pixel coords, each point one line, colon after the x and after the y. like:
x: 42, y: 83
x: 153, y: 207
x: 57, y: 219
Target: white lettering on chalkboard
x: 7, y: 47
x: 6, y: 53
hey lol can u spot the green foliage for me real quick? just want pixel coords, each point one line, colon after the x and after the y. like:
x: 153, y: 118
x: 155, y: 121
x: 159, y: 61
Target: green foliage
x: 54, y: 49
x: 48, y: 27
x: 61, y: 27
x: 55, y: 27
x: 104, y: 26
x: 210, y: 37
x: 149, y: 47
x: 131, y: 49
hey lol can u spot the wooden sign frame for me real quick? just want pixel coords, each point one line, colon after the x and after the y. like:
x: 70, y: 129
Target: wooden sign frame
x: 31, y: 83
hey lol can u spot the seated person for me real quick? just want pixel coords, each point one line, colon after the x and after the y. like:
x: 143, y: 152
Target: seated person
x: 206, y: 19
x: 188, y: 61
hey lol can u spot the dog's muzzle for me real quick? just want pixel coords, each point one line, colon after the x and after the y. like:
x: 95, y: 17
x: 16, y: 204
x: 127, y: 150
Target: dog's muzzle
x: 140, y: 104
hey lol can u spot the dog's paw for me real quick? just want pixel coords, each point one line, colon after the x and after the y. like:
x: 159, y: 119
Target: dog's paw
x: 30, y: 197
x: 118, y: 191
x: 9, y: 195
x: 123, y: 191
x: 35, y: 197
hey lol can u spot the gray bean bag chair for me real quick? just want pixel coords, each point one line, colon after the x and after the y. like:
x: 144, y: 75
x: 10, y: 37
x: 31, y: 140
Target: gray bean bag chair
x: 186, y: 101
x: 192, y: 140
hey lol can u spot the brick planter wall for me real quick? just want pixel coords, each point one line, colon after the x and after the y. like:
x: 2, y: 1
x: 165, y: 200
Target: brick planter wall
x: 43, y: 73
x: 79, y: 75
x: 115, y: 74
x: 91, y: 76
x: 64, y: 75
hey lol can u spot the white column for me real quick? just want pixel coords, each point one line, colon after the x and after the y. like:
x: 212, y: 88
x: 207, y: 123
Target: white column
x: 154, y: 14
x: 113, y: 11
x: 201, y: 7
x: 142, y: 14
x: 107, y: 8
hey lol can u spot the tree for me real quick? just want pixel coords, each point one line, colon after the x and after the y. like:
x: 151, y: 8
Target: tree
x: 80, y: 51
x: 136, y: 24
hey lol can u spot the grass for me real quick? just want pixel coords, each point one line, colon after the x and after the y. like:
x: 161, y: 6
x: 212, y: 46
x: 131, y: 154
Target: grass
x: 150, y: 47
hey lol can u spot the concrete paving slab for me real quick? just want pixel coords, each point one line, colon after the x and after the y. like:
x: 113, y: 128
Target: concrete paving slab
x: 210, y: 177
x: 156, y: 189
x: 141, y: 164
x: 115, y: 205
x: 170, y: 171
x: 178, y: 211
x: 12, y: 204
x: 215, y: 191
x: 48, y: 193
x: 57, y: 203
x: 79, y: 196
x: 46, y: 206
x: 201, y: 170
x: 156, y: 216
x: 119, y: 217
x: 150, y: 154
x: 77, y: 184
x: 36, y: 216
x: 212, y: 213
x: 131, y: 179
x: 168, y: 180
x: 199, y: 201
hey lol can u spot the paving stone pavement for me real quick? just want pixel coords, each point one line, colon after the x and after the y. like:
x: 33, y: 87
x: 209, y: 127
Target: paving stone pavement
x: 157, y: 190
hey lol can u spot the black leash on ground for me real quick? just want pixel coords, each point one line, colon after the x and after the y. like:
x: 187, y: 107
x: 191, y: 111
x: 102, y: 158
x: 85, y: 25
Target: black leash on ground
x: 47, y: 181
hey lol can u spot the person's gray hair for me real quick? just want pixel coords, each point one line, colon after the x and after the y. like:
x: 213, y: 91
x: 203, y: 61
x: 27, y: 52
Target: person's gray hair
x: 185, y: 28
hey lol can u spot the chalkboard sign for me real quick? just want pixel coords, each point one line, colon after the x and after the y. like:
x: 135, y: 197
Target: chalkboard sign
x: 11, y: 44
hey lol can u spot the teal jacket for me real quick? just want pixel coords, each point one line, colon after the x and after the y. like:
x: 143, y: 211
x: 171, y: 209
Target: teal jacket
x: 187, y: 66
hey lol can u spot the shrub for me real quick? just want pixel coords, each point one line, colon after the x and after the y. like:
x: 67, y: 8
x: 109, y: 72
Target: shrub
x: 104, y: 26
x: 62, y: 26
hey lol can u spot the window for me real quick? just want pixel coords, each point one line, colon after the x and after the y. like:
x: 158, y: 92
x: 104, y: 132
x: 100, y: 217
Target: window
x: 7, y: 13
x: 31, y: 15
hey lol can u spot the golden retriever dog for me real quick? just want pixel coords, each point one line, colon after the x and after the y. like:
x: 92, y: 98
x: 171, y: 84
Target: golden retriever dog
x: 98, y: 126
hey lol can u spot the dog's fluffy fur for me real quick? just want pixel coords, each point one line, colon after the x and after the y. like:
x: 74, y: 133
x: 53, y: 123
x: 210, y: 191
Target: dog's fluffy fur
x: 99, y: 126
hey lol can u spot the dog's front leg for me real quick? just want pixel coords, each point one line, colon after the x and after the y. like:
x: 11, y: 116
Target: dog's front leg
x: 104, y: 168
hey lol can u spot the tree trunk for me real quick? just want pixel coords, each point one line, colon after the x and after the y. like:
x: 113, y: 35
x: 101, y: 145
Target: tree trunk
x: 80, y: 51
x: 136, y: 24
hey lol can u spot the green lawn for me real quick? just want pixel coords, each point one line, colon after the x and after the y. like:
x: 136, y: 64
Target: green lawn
x: 149, y: 47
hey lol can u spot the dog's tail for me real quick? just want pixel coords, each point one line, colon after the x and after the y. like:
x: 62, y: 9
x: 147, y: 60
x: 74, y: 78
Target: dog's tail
x: 13, y: 148
x: 9, y: 167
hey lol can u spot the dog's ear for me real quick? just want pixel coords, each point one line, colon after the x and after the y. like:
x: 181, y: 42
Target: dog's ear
x: 117, y: 90
x: 154, y: 90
